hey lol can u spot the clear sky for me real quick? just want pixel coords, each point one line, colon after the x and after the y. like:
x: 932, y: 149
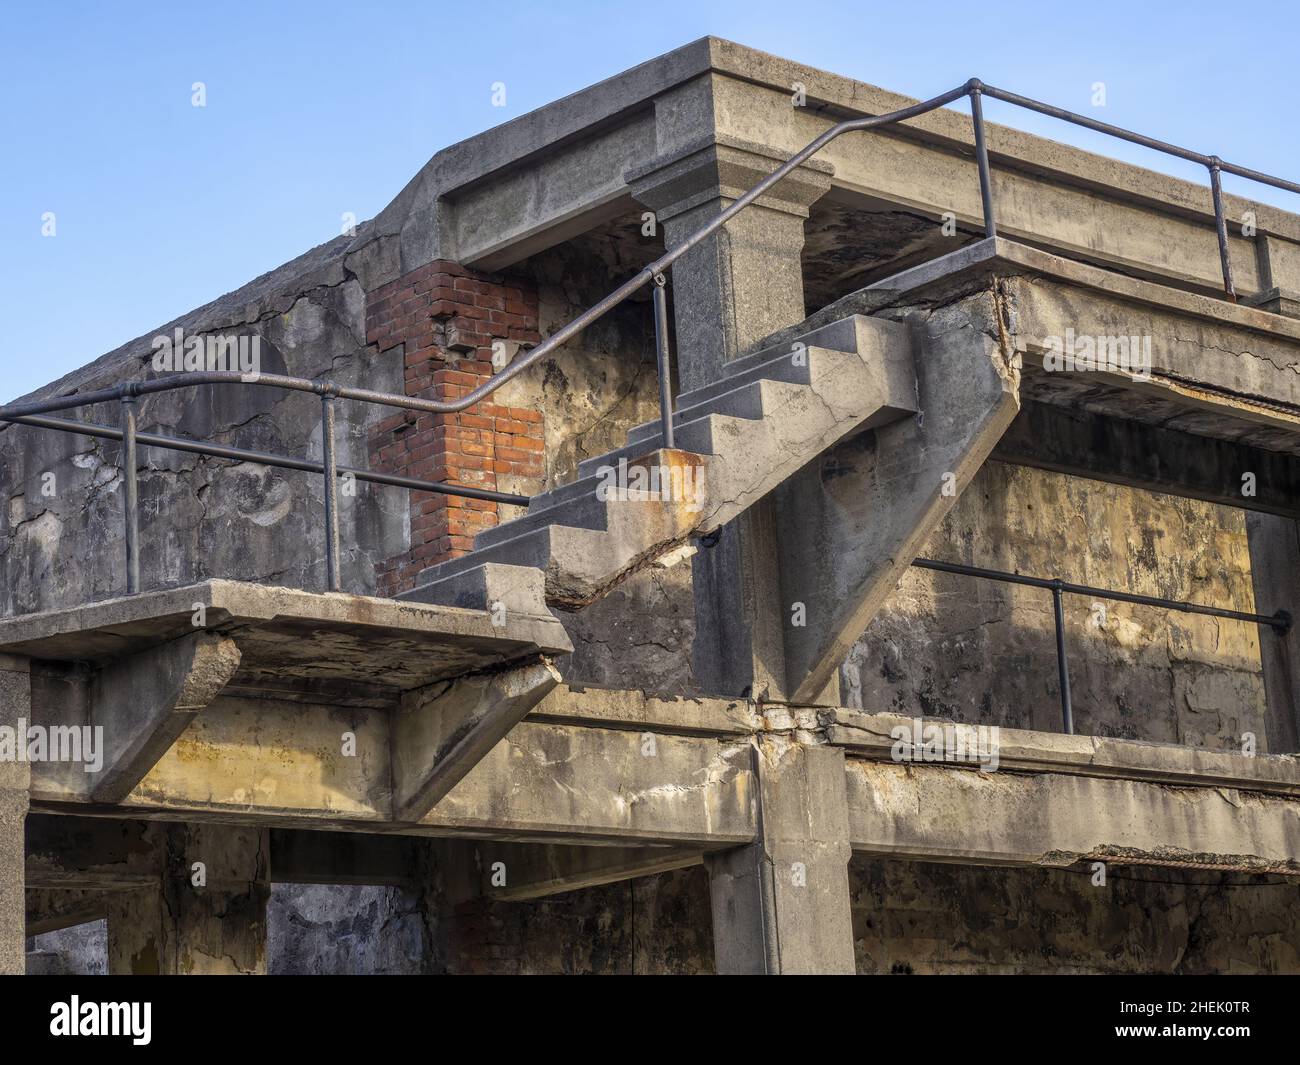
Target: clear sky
x: 316, y: 109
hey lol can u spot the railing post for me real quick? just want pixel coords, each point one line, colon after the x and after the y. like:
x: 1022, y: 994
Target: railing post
x: 131, y: 494
x: 982, y: 158
x: 662, y: 357
x: 330, y: 469
x: 1062, y: 667
x: 1221, y: 225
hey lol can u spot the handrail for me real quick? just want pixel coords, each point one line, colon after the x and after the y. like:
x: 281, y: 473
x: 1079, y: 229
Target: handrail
x: 128, y: 392
x: 974, y: 89
x: 1280, y: 622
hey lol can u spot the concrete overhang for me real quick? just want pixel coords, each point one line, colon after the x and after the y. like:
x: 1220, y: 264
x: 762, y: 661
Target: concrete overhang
x: 142, y: 676
x: 504, y: 194
x: 375, y: 647
x: 1055, y: 800
x: 1218, y: 369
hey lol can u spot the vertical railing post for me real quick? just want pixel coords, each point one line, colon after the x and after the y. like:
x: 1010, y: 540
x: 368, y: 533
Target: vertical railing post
x: 1062, y: 666
x: 662, y: 355
x: 131, y: 494
x: 982, y: 158
x: 1221, y: 226
x: 330, y: 471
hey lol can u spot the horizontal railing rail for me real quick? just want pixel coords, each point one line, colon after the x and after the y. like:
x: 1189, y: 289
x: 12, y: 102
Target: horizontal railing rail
x: 34, y: 412
x: 1280, y: 622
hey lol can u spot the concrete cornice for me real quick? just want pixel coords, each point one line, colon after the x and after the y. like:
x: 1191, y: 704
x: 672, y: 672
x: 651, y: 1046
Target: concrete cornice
x: 583, y: 112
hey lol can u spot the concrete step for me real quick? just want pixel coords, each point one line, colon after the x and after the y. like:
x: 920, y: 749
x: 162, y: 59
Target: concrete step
x: 736, y: 440
x: 743, y: 400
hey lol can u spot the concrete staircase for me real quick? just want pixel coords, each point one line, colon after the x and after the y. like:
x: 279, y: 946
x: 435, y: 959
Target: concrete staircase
x: 770, y: 414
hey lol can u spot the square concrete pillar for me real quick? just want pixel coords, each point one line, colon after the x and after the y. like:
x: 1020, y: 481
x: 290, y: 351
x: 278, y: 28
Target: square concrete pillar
x: 15, y: 784
x: 1275, y: 573
x: 781, y: 904
x: 728, y: 293
x: 746, y: 281
x: 207, y: 917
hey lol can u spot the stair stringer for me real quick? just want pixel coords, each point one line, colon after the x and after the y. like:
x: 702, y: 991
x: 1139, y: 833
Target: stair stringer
x: 850, y: 524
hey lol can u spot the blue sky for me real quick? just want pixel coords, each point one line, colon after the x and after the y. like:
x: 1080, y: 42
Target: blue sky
x: 316, y: 109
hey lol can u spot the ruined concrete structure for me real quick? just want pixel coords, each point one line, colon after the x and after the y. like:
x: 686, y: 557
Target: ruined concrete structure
x: 632, y: 733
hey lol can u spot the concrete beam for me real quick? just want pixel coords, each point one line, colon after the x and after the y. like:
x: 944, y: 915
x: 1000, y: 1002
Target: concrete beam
x: 52, y: 909
x: 92, y: 853
x: 145, y: 701
x: 439, y: 733
x: 875, y: 736
x: 565, y: 784
x: 852, y: 521
x: 513, y: 872
x: 943, y: 813
x: 1106, y: 448
x: 279, y: 763
x: 300, y: 857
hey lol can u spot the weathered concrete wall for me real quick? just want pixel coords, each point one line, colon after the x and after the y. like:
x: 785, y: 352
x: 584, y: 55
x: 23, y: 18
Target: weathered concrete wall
x: 81, y: 950
x: 979, y: 651
x: 343, y: 930
x: 908, y: 917
x: 656, y: 924
x: 61, y: 536
x: 916, y: 917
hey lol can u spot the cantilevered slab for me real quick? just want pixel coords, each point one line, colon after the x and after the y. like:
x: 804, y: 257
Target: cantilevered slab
x: 1218, y: 369
x: 143, y: 667
x: 289, y: 637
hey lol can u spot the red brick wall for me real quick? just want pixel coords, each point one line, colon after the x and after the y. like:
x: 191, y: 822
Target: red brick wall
x: 445, y: 319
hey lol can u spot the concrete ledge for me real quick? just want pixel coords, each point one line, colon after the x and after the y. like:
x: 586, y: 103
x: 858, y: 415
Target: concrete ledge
x: 116, y: 627
x: 616, y: 708
x: 868, y: 736
x: 937, y: 813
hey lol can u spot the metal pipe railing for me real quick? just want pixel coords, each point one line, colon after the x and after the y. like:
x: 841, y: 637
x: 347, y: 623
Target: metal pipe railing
x: 1280, y: 622
x: 330, y: 471
x: 33, y: 412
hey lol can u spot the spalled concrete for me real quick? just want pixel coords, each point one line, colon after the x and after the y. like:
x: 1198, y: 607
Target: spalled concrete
x: 844, y: 364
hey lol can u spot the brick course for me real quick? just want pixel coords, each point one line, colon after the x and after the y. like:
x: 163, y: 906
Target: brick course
x: 446, y: 319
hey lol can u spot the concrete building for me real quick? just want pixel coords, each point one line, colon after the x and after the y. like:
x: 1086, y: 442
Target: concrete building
x: 719, y: 721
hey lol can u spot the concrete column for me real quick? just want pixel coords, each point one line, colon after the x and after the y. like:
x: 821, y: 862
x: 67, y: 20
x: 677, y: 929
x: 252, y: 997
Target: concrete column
x: 1275, y: 572
x: 728, y: 293
x: 15, y: 783
x: 207, y: 917
x: 781, y: 904
x: 746, y: 281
